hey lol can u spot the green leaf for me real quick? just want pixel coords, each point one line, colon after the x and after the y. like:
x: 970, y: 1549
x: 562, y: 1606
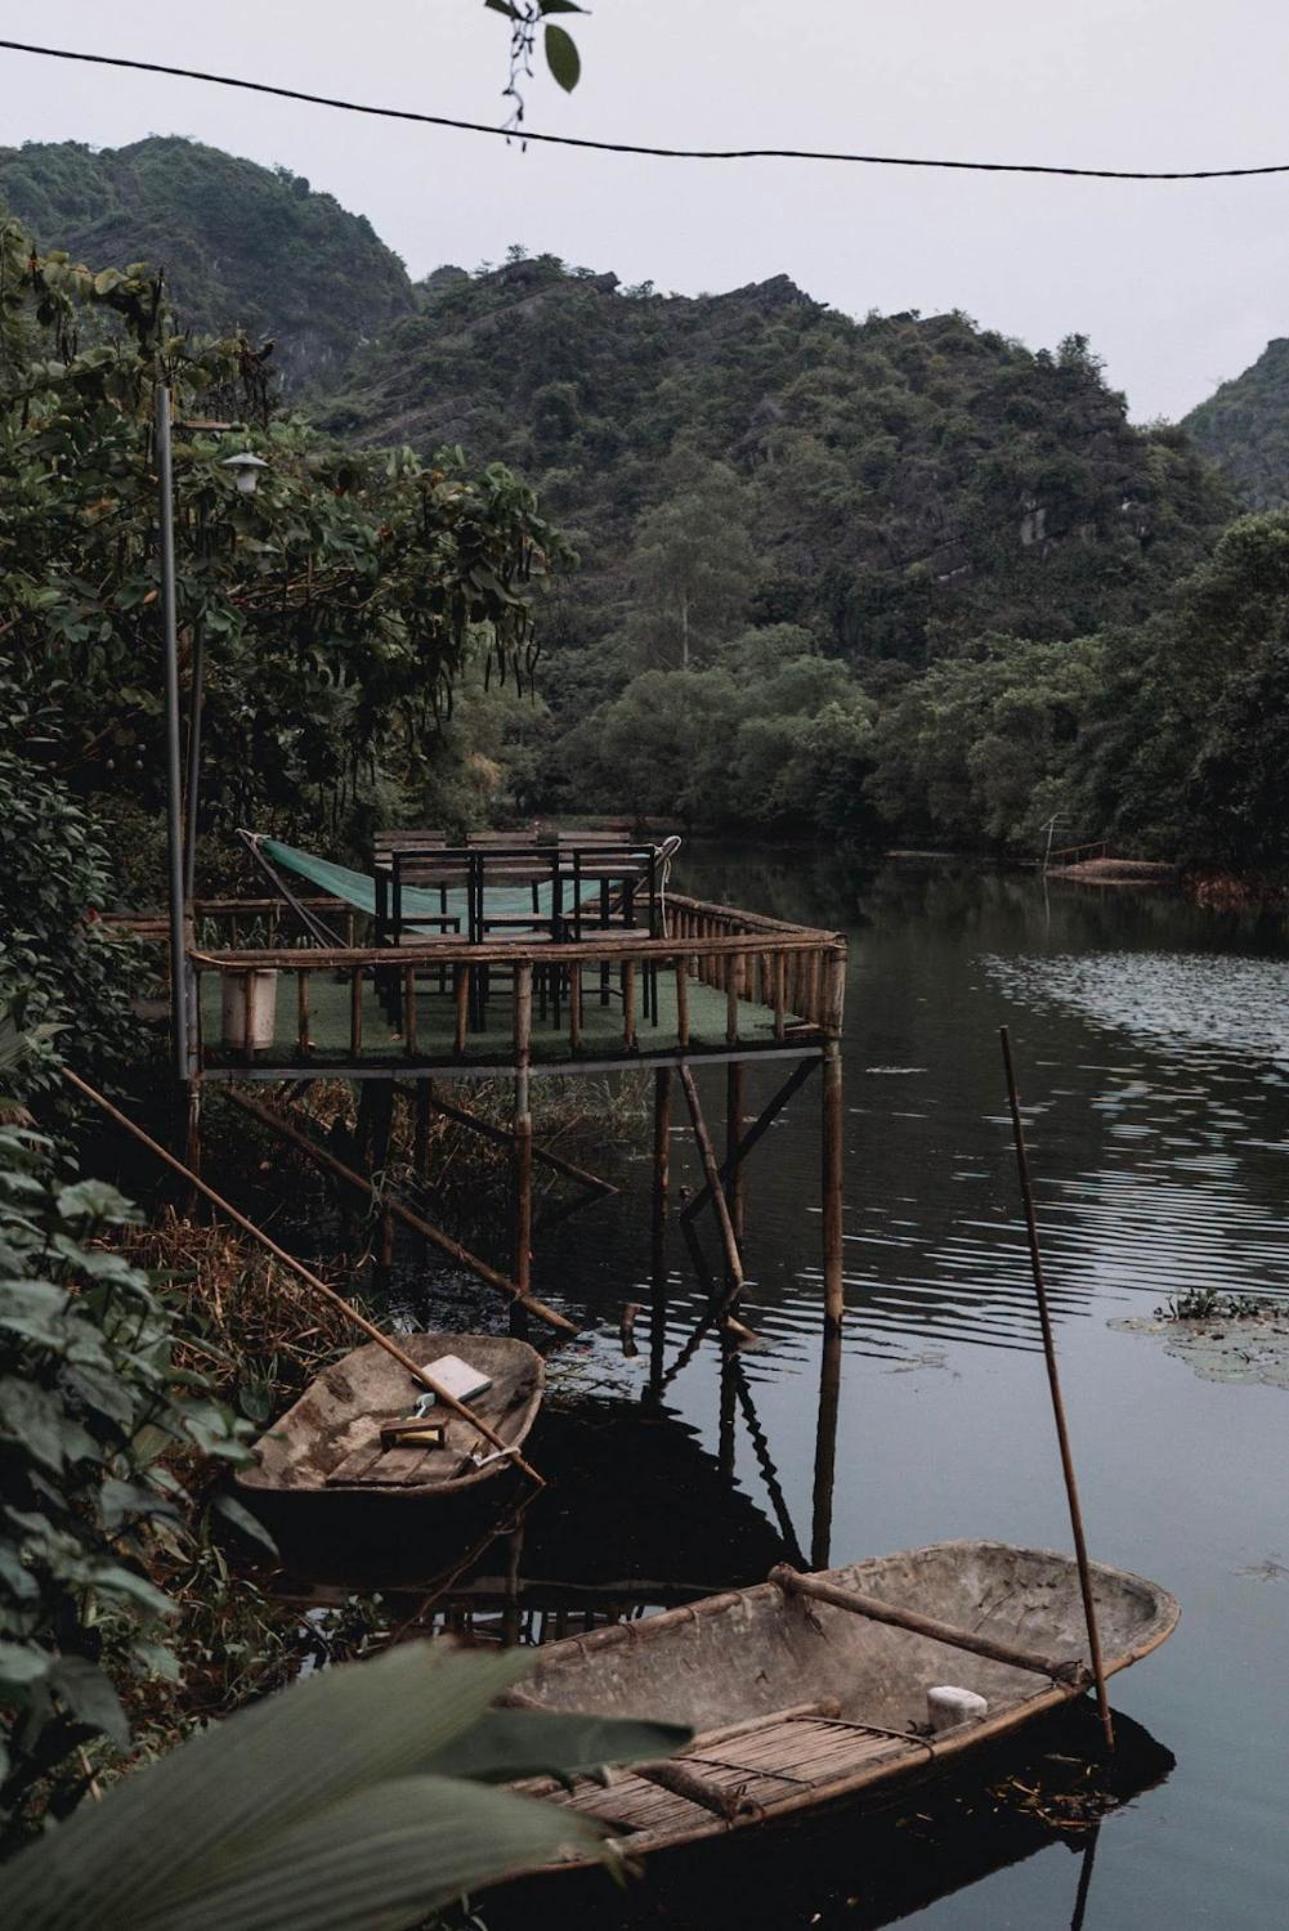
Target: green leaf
x: 241, y: 1518
x: 563, y: 58
x: 21, y: 1665
x: 384, y: 1857
x: 532, y: 1743
x: 502, y: 6
x: 34, y: 1417
x: 559, y: 6
x: 90, y: 1696
x: 95, y: 1200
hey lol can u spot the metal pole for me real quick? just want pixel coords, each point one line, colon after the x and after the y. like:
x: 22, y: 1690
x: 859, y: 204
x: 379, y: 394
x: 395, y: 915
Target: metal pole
x: 174, y: 793
x: 1058, y: 1404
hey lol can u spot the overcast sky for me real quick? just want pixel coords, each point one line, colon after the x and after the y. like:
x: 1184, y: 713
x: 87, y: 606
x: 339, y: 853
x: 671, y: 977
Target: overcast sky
x: 1178, y: 285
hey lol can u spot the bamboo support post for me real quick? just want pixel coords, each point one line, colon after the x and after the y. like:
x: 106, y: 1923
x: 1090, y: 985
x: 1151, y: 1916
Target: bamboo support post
x: 523, y: 1135
x: 1058, y: 1403
x: 421, y: 1129
x: 409, y: 1010
x: 732, y: 1172
x: 755, y: 1133
x: 832, y: 1148
x: 831, y: 1187
x: 504, y: 1137
x: 732, y: 987
x: 311, y: 1280
x: 356, y: 1013
x: 682, y: 1003
x: 662, y: 1082
x: 780, y: 994
x: 417, y: 1222
x: 629, y: 1005
x: 574, y: 1008
x: 825, y: 1468
x: 462, y: 992
x: 1065, y: 1670
x: 733, y: 1259
x: 302, y: 1011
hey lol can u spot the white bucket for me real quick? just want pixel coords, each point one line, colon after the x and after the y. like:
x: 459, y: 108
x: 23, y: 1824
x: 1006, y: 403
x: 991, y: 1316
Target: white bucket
x: 250, y: 1009
x: 947, y: 1706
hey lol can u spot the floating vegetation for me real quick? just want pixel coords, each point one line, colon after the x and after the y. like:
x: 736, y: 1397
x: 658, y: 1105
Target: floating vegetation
x: 1223, y: 1337
x: 1209, y: 1303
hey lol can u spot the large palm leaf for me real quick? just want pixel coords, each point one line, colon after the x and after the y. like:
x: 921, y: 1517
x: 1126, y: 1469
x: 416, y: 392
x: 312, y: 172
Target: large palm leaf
x: 326, y: 1807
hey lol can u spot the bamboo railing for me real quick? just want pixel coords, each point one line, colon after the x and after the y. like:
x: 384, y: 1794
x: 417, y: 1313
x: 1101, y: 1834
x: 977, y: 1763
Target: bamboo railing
x: 795, y: 973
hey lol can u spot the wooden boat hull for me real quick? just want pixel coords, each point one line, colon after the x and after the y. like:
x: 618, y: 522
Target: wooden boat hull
x: 320, y: 1470
x: 759, y: 1672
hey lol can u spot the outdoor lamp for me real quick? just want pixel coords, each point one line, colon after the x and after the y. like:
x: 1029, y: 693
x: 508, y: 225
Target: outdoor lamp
x: 247, y: 470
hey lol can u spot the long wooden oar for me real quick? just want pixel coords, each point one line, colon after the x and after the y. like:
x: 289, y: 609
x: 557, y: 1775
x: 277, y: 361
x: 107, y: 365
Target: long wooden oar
x: 1058, y: 1404
x: 310, y: 1280
x: 880, y: 1611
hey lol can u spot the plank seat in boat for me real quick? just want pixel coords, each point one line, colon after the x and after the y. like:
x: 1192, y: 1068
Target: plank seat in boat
x: 763, y: 1770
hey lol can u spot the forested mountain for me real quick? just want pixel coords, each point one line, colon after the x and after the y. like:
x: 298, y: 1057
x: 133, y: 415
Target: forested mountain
x: 893, y: 575
x: 891, y: 484
x: 1245, y: 428
x: 242, y: 246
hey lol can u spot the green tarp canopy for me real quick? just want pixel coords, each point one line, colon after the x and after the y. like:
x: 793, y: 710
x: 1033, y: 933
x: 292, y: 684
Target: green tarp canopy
x: 359, y: 888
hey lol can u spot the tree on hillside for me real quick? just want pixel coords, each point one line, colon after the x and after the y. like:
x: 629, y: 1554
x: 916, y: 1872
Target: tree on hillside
x: 692, y: 569
x: 341, y: 603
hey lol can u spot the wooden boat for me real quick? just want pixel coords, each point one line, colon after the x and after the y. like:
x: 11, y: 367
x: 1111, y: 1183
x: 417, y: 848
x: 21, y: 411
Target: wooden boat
x: 799, y: 1701
x: 325, y: 1457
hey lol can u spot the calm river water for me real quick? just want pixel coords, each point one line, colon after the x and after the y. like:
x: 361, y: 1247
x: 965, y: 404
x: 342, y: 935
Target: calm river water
x: 1152, y: 1044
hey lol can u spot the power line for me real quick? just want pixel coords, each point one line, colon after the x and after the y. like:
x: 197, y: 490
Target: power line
x: 636, y: 147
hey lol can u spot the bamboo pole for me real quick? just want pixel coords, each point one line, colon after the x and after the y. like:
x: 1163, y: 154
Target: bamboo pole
x: 1054, y: 1385
x: 733, y: 1259
x: 303, y: 1273
x: 409, y: 1010
x: 462, y: 993
x: 629, y: 1005
x: 732, y: 1171
x: 302, y: 1011
x: 419, y: 1225
x: 755, y: 1133
x: 878, y: 1610
x: 825, y: 1469
x: 544, y: 1156
x: 421, y: 1129
x: 523, y: 1139
x: 662, y: 1082
x: 831, y: 1164
x: 356, y: 1013
x: 682, y: 1002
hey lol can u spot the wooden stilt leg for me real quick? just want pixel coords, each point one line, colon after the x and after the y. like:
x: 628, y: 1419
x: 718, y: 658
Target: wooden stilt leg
x: 834, y: 1295
x: 825, y: 1450
x: 661, y: 1189
x: 523, y: 1130
x: 734, y: 1091
x: 421, y: 1139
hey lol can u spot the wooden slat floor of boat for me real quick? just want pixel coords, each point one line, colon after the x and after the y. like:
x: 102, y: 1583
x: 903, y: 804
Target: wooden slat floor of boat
x: 765, y: 1767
